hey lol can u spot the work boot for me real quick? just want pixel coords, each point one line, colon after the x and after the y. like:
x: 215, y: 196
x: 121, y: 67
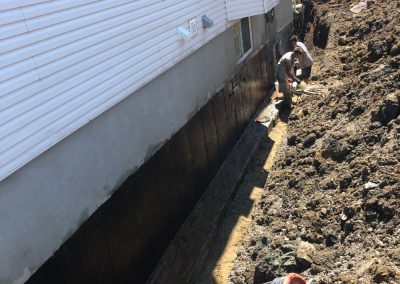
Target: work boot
x: 287, y: 98
x: 286, y: 105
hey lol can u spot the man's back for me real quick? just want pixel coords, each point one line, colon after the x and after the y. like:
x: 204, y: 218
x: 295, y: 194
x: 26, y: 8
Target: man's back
x: 308, y: 60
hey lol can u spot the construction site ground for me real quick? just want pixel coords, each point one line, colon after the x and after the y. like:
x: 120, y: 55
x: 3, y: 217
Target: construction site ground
x: 329, y: 208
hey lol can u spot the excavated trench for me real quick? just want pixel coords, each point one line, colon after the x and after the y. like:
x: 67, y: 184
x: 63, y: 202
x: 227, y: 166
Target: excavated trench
x: 237, y: 219
x: 235, y: 224
x: 214, y: 264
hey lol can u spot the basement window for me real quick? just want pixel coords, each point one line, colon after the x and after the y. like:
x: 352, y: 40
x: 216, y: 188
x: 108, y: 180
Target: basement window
x: 243, y: 39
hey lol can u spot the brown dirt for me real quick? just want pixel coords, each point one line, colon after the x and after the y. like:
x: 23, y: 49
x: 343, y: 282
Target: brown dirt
x: 237, y: 220
x: 330, y: 208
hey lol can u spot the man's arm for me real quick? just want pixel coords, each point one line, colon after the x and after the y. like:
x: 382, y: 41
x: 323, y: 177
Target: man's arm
x: 304, y: 57
x: 289, y: 73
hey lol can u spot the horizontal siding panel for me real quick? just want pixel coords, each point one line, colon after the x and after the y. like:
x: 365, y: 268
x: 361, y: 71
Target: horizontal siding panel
x: 52, y: 7
x: 92, y: 67
x: 104, y: 20
x: 70, y: 14
x: 25, y: 79
x: 154, y: 29
x: 14, y: 29
x: 16, y: 69
x: 65, y: 107
x: 13, y: 112
x: 59, y: 81
x: 237, y: 9
x: 11, y: 16
x: 101, y: 42
x: 12, y: 4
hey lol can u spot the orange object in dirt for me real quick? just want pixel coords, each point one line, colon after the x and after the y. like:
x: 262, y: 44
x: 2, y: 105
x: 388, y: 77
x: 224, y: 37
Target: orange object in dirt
x: 294, y: 278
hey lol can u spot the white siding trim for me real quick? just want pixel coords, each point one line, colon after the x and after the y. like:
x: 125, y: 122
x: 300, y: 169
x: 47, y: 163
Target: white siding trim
x: 237, y: 9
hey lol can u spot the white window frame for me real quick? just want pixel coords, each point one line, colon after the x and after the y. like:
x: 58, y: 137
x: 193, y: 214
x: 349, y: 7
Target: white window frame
x: 247, y: 53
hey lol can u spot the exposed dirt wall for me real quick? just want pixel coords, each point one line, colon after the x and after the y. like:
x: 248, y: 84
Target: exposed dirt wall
x: 331, y: 204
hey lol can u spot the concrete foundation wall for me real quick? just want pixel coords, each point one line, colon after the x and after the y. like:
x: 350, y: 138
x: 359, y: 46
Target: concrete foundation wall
x: 124, y: 239
x: 44, y: 203
x: 283, y: 14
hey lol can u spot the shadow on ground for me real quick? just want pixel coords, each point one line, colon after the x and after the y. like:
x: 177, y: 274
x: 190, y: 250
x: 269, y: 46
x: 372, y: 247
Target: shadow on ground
x: 234, y: 224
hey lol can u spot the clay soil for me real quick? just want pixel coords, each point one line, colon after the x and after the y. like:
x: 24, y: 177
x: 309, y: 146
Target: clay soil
x: 330, y: 207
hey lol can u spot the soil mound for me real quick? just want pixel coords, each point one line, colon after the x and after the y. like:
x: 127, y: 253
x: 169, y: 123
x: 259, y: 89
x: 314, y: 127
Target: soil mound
x: 331, y: 204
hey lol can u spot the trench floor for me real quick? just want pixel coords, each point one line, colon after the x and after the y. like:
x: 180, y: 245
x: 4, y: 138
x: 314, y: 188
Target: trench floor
x: 237, y: 219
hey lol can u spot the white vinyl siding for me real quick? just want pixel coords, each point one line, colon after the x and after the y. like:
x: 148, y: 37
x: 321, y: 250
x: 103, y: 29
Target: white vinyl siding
x: 62, y: 63
x: 11, y: 4
x: 237, y: 9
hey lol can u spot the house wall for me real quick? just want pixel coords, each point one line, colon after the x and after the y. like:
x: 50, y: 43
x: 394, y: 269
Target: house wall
x: 283, y: 14
x: 124, y: 239
x: 63, y: 63
x: 48, y: 199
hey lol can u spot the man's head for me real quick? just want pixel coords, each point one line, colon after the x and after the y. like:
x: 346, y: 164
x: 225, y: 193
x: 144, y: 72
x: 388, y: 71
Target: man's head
x: 297, y: 52
x: 294, y: 39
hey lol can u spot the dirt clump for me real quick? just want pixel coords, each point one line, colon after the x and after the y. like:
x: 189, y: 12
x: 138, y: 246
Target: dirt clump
x: 330, y: 209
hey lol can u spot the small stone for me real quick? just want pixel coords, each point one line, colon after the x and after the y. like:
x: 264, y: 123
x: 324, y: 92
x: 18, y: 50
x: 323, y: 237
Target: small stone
x: 292, y: 140
x: 290, y: 264
x: 370, y: 3
x: 342, y: 41
x: 309, y: 140
x: 334, y: 149
x: 328, y: 184
x: 376, y: 50
x: 381, y: 272
x: 345, y: 182
x: 353, y: 31
x: 330, y: 240
x: 304, y: 254
x: 370, y: 185
x: 388, y: 110
x: 288, y: 248
x: 349, y: 212
x: 395, y: 50
x: 264, y: 240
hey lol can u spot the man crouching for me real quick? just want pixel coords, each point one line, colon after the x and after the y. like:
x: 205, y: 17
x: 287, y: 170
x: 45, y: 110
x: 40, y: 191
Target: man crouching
x: 284, y: 71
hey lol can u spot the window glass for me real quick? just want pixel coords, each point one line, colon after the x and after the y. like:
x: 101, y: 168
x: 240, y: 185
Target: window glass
x: 246, y: 39
x: 242, y: 37
x: 237, y: 41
